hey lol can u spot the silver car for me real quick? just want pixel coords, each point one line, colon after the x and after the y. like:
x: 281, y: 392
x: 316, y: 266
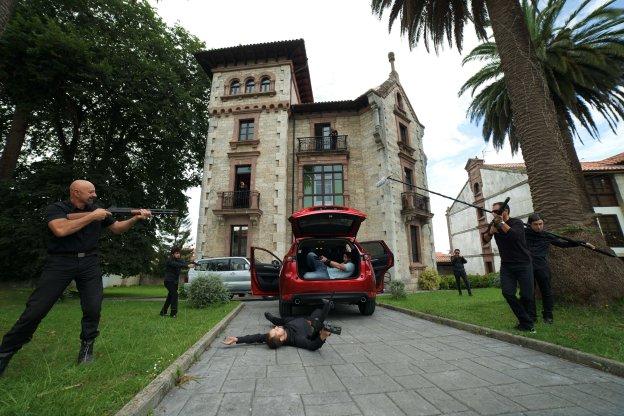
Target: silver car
x: 233, y: 272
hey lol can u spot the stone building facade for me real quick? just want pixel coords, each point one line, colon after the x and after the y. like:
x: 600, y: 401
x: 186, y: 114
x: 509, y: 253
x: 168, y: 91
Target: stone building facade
x: 271, y: 150
x: 490, y: 183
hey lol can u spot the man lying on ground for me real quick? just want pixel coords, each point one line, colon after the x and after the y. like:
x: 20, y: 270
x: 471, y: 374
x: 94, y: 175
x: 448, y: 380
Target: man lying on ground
x: 308, y: 333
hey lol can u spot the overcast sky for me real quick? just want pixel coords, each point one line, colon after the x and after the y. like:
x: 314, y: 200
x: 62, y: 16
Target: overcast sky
x: 347, y: 50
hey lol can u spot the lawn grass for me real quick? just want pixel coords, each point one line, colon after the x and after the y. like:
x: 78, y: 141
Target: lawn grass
x: 135, y: 345
x: 593, y: 330
x: 157, y: 291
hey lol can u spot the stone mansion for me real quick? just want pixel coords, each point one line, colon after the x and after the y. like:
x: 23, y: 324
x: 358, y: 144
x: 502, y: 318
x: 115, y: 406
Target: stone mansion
x: 272, y: 150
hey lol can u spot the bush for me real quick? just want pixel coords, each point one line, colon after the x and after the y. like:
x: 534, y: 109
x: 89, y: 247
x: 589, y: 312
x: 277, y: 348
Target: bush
x: 397, y: 289
x: 429, y: 280
x: 205, y: 291
x: 182, y: 292
x: 476, y: 281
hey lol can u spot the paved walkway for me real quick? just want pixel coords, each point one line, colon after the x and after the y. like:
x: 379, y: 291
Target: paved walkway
x: 388, y: 364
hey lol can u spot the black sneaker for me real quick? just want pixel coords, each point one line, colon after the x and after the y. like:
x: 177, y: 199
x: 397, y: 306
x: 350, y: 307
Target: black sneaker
x: 549, y: 321
x: 173, y: 315
x: 85, y: 355
x: 523, y: 328
x: 4, y: 361
x: 163, y: 313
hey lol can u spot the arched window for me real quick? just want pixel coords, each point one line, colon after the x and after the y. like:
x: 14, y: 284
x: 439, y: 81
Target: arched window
x: 235, y: 87
x: 250, y: 86
x: 265, y: 84
x: 399, y: 101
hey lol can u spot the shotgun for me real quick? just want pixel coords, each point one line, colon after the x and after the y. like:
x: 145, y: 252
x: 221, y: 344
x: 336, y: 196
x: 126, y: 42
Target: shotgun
x: 131, y: 211
x: 580, y: 243
x: 501, y: 209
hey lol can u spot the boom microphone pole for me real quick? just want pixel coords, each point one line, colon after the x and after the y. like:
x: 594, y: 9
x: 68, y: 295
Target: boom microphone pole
x: 382, y: 181
x: 579, y: 242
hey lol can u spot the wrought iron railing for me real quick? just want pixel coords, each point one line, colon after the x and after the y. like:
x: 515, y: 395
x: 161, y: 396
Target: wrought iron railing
x: 239, y: 199
x: 322, y: 143
x: 415, y: 201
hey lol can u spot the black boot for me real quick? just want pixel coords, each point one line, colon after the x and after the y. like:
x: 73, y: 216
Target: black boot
x: 85, y: 355
x: 4, y: 361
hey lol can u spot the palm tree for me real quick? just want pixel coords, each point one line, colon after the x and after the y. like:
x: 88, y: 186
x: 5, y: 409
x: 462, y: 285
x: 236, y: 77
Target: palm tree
x: 584, y: 67
x: 555, y: 192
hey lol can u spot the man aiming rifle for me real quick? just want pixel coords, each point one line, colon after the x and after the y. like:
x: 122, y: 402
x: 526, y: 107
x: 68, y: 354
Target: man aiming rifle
x: 539, y: 242
x: 516, y: 269
x: 74, y: 228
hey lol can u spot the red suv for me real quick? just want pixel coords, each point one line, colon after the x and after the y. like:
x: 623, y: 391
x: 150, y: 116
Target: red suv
x: 327, y: 231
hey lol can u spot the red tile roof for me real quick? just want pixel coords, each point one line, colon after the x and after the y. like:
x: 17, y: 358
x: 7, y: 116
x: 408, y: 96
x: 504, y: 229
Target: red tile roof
x: 442, y: 257
x: 612, y: 163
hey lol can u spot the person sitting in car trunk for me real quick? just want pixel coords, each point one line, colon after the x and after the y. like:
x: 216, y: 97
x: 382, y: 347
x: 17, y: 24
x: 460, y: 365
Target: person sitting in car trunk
x: 308, y: 333
x: 323, y: 268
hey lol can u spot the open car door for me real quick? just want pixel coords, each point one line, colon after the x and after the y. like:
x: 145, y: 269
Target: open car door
x: 382, y: 260
x: 265, y: 272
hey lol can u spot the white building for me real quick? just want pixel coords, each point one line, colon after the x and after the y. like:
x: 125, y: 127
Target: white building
x: 490, y: 183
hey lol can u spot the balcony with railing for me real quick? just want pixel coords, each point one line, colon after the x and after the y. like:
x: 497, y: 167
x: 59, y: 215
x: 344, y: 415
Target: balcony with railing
x: 238, y: 203
x: 415, y: 205
x: 322, y: 144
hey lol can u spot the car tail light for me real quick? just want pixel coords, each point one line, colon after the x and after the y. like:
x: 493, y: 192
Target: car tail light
x: 289, y: 258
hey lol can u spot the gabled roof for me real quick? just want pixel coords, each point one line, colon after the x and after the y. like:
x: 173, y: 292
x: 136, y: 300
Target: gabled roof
x: 289, y: 49
x: 613, y: 163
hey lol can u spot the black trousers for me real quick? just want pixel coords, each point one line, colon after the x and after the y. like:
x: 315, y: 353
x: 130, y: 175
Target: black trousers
x: 317, y: 317
x: 513, y: 275
x: 172, y: 298
x: 542, y: 278
x: 57, y: 273
x: 462, y: 275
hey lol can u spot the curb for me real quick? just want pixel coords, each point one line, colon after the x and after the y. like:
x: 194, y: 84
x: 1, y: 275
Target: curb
x: 147, y: 399
x: 578, y: 357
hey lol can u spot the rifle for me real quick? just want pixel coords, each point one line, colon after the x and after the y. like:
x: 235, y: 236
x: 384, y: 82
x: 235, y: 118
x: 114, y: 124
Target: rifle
x: 580, y: 243
x: 131, y: 211
x: 501, y: 209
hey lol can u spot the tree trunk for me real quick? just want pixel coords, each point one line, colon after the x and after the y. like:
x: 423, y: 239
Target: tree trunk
x: 14, y: 142
x: 6, y: 9
x: 573, y: 161
x: 581, y: 275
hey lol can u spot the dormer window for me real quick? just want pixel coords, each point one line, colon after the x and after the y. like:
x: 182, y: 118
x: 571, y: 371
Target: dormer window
x: 265, y: 84
x: 235, y: 87
x: 399, y: 101
x: 250, y: 86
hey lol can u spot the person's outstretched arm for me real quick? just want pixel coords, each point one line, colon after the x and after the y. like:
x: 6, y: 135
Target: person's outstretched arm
x: 246, y: 339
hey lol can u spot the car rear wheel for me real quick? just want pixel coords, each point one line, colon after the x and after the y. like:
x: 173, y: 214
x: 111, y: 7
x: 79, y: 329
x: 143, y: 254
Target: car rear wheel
x: 285, y: 308
x: 367, y: 308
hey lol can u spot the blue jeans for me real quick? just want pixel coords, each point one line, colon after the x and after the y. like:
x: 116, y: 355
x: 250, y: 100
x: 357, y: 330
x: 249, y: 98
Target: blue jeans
x: 314, y: 263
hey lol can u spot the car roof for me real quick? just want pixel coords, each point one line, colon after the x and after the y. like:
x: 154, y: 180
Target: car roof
x: 222, y: 258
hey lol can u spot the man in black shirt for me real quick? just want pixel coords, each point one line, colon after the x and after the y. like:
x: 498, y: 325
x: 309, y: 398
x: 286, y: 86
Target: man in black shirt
x: 172, y: 277
x: 539, y: 245
x: 516, y: 269
x: 307, y: 333
x: 72, y: 255
x: 458, y: 261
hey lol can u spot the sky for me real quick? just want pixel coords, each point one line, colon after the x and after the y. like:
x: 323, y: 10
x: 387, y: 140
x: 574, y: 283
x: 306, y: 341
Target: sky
x: 347, y: 50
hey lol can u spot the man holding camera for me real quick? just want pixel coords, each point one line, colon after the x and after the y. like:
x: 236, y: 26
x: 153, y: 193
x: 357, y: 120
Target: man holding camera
x: 516, y: 268
x: 457, y: 262
x: 308, y: 333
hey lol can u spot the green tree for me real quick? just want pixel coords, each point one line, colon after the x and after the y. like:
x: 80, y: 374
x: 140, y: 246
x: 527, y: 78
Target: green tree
x: 555, y: 192
x: 583, y: 60
x: 112, y: 95
x: 6, y: 8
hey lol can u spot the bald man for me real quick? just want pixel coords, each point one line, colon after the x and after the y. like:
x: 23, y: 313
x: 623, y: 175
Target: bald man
x: 72, y: 255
